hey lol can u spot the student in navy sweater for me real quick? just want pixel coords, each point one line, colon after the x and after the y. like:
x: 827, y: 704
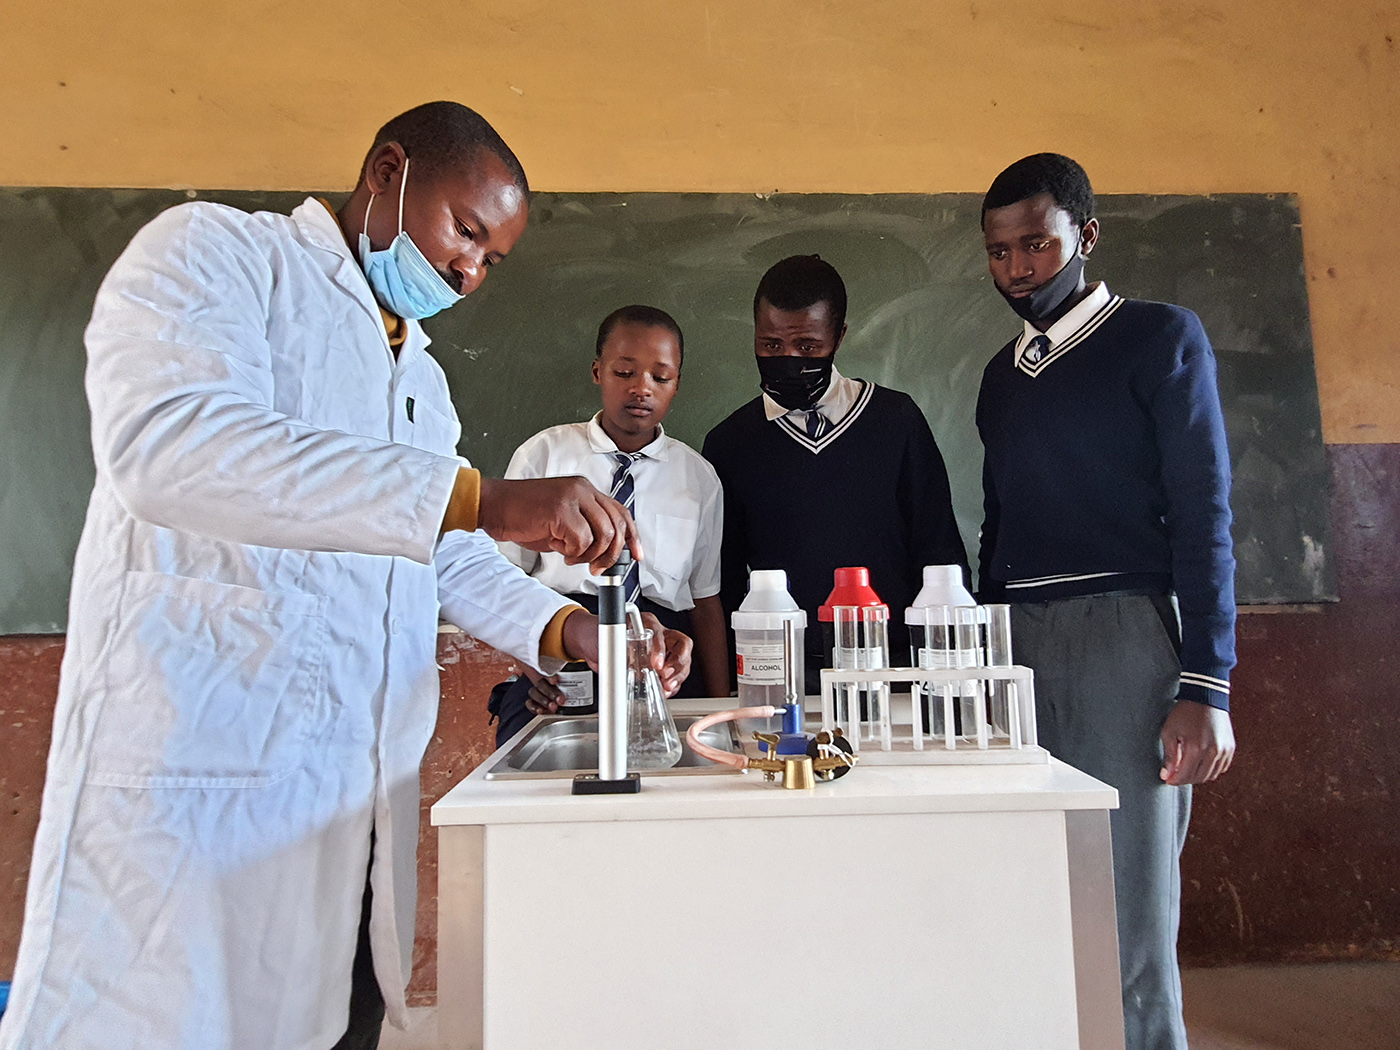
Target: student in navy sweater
x: 1106, y: 487
x: 822, y: 471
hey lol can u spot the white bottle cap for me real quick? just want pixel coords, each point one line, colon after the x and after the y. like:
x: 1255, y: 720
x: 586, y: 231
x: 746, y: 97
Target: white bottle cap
x: 768, y: 604
x: 943, y: 585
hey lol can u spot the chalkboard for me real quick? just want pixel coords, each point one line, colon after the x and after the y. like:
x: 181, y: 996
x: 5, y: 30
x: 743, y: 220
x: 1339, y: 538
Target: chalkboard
x: 924, y: 318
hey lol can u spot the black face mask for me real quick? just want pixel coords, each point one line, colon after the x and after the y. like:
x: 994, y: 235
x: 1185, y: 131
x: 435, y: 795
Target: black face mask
x: 795, y: 382
x: 1050, y: 301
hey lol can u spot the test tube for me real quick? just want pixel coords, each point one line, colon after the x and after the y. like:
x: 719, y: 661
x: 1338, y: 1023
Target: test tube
x: 940, y: 653
x: 875, y: 656
x: 950, y: 734
x: 845, y: 656
x: 969, y: 621
x: 1003, y: 711
x: 916, y: 717
x: 1026, y: 694
x: 931, y: 645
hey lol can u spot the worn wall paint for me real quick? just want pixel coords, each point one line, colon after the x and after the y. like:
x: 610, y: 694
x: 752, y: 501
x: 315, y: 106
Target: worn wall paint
x: 793, y: 95
x: 1295, y: 853
x: 28, y: 686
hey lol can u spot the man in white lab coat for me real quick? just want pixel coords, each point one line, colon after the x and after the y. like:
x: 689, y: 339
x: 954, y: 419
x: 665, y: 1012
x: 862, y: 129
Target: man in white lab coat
x: 249, y: 685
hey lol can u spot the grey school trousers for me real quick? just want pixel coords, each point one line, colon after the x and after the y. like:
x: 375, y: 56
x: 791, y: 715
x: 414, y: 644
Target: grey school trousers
x: 1106, y: 673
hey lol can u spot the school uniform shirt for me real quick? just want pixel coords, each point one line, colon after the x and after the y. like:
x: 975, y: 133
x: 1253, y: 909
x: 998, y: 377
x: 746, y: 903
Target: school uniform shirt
x: 678, y: 504
x: 249, y: 682
x: 1107, y: 471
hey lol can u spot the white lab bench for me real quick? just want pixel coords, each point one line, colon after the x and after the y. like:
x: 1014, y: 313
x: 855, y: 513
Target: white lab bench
x: 957, y: 907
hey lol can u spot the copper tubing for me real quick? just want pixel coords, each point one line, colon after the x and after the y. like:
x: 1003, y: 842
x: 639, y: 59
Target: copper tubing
x: 714, y: 754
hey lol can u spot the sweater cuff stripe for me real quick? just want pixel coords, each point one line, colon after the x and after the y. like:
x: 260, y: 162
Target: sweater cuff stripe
x: 1200, y: 695
x: 1205, y: 682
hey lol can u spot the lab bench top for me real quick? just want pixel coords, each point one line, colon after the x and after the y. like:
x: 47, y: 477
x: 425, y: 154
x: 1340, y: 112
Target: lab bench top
x: 883, y: 789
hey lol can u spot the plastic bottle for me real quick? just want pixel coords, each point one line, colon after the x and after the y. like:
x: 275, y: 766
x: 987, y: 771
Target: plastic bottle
x: 943, y: 585
x: 933, y: 639
x: 758, y: 644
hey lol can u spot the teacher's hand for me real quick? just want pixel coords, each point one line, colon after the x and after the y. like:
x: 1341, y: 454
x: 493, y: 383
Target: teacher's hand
x: 565, y: 515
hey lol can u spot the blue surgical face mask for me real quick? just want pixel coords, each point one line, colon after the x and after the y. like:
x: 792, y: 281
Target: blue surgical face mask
x: 403, y: 280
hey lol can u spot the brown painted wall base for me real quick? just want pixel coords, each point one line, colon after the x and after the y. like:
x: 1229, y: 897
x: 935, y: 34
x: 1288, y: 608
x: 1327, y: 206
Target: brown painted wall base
x: 1294, y: 855
x: 462, y: 741
x: 28, y: 686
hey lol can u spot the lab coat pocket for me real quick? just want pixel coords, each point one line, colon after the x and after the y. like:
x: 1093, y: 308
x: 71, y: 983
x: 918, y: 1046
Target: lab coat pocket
x: 435, y: 431
x: 669, y: 542
x: 208, y: 685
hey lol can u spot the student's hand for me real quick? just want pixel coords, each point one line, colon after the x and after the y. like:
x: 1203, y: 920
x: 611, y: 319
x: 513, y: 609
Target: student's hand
x: 675, y: 655
x: 1199, y: 742
x: 565, y: 515
x: 670, y: 650
x: 544, y: 697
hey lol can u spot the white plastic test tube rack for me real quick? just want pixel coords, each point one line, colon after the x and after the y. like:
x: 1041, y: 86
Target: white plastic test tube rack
x: 1012, y: 734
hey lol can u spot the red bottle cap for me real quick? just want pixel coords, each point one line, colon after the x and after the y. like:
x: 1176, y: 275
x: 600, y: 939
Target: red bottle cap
x: 852, y: 588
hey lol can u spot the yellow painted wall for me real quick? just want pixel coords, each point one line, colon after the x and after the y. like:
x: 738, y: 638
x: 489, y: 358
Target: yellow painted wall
x: 796, y: 95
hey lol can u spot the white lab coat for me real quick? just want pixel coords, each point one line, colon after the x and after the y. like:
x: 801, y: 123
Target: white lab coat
x: 250, y: 681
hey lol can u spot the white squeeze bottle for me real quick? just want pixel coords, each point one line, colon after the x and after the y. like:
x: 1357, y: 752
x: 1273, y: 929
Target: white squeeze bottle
x: 758, y: 641
x: 932, y: 641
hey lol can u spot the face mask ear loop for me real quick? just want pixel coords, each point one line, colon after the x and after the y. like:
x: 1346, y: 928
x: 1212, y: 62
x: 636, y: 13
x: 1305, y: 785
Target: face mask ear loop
x: 365, y: 227
x: 403, y: 184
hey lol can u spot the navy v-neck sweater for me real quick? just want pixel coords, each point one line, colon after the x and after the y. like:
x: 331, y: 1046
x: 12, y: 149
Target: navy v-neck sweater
x: 874, y: 492
x: 1107, y: 471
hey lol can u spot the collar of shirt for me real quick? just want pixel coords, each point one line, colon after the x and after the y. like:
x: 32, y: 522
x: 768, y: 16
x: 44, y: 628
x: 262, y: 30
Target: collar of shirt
x: 395, y: 327
x: 600, y: 442
x: 1068, y: 325
x: 840, y: 398
x: 323, y: 226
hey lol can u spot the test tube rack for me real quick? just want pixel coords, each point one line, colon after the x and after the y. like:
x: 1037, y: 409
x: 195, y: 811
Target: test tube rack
x: 881, y: 736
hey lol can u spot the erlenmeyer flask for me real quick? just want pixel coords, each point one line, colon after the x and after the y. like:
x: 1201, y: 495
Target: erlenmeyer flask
x: 652, y: 740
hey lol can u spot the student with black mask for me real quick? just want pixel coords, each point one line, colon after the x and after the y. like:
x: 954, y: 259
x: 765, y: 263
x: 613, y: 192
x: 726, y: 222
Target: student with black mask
x: 1107, y: 493
x: 822, y: 471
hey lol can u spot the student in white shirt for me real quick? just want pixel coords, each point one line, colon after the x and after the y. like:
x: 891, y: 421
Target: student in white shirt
x: 673, y: 493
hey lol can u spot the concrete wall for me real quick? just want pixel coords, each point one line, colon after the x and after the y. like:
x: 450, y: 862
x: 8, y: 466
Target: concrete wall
x: 1294, y: 855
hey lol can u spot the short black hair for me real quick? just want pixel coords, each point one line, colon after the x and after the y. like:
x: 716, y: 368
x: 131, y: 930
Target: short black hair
x: 647, y: 317
x: 1052, y: 173
x: 439, y: 135
x: 800, y: 281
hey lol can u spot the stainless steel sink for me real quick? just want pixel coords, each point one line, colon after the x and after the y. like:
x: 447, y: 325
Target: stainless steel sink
x: 560, y: 746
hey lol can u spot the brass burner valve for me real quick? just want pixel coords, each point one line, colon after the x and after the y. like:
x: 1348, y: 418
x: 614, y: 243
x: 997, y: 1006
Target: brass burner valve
x: 828, y: 757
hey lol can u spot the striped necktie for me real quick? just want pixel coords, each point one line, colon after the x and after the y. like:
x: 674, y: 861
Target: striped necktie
x: 1036, y: 349
x: 624, y: 491
x: 816, y: 424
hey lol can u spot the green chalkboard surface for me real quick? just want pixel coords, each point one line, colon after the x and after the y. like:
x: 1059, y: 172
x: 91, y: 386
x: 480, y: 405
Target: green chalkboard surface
x: 924, y: 318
